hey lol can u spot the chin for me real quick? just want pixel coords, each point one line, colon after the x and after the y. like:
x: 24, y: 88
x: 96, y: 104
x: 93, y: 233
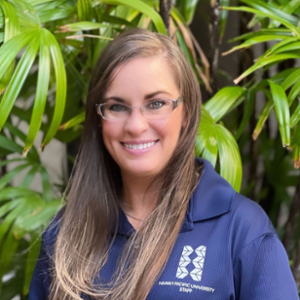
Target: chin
x: 142, y: 171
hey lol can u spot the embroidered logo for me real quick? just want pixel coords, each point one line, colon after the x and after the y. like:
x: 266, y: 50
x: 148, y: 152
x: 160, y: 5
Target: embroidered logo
x: 185, y: 260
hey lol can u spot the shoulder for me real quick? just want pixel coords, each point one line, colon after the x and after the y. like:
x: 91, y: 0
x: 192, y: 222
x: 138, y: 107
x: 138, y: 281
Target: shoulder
x: 249, y: 224
x: 215, y: 201
x: 248, y: 213
x: 214, y: 197
x: 260, y: 262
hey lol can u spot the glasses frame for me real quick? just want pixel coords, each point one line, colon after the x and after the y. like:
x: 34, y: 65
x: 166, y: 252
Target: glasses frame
x: 175, y: 105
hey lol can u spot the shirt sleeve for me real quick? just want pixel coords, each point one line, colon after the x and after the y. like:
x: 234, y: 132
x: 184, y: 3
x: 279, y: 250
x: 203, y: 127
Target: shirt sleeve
x: 40, y: 282
x: 262, y: 271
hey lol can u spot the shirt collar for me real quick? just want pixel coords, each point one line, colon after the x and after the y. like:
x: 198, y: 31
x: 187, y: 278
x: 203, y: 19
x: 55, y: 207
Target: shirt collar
x: 212, y: 198
x: 213, y: 195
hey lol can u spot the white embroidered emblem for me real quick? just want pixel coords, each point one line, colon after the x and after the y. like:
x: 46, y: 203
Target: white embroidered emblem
x: 198, y: 262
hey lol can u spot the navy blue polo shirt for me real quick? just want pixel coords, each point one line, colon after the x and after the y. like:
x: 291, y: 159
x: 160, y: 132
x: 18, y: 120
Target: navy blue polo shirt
x: 227, y: 249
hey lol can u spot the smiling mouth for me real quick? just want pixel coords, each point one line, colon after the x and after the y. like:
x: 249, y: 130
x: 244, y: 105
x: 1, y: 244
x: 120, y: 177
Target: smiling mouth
x: 140, y: 146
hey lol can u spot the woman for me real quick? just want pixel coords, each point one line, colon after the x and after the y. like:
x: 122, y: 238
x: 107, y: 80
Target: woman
x: 144, y: 219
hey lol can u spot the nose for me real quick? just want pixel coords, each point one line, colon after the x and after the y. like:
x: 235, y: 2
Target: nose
x: 136, y: 122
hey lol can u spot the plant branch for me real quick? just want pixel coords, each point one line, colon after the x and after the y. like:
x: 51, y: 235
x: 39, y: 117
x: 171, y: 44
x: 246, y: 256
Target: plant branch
x: 292, y: 220
x: 165, y: 7
x: 2, y: 170
x: 214, y: 43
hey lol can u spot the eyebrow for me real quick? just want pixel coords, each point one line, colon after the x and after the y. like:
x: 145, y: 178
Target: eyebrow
x: 118, y: 99
x: 147, y: 97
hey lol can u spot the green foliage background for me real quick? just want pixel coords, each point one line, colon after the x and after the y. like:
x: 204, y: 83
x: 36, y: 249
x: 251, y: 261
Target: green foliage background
x: 48, y: 50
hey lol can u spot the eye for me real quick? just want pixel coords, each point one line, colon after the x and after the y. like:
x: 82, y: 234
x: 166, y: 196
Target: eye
x: 156, y: 104
x: 117, y: 107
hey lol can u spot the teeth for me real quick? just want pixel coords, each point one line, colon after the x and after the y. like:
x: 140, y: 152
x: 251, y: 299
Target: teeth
x: 139, y: 146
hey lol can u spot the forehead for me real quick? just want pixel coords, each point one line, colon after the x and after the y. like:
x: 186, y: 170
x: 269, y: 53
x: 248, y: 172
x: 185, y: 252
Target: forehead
x: 142, y: 75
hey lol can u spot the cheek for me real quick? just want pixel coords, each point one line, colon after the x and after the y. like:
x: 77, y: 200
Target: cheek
x: 176, y: 122
x: 109, y: 133
x: 170, y: 130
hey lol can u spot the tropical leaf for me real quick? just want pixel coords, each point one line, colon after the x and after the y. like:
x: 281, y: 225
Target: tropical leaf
x: 12, y: 25
x: 8, y: 250
x: 296, y: 136
x: 282, y: 76
x: 265, y: 62
x: 27, y: 15
x: 82, y: 26
x: 41, y: 94
x: 222, y: 101
x: 249, y: 107
x: 206, y: 143
x: 74, y: 121
x: 12, y: 28
x: 282, y: 112
x: 40, y: 2
x: 289, y: 47
x: 60, y: 75
x: 24, y: 212
x: 296, y: 146
x: 24, y: 217
x: 263, y: 116
x: 268, y: 14
x: 296, y: 157
x: 187, y: 9
x: 18, y: 78
x: 294, y: 91
x: 47, y: 189
x: 281, y: 32
x: 13, y: 192
x: 17, y: 133
x: 290, y: 7
x: 291, y: 79
x: 115, y: 20
x: 270, y: 9
x: 33, y: 253
x: 40, y: 217
x: 295, y: 118
x: 143, y: 8
x: 281, y: 45
x: 84, y: 10
x: 64, y: 12
x: 7, y: 178
x: 214, y: 139
x: 255, y: 40
x: 29, y: 177
x: 10, y: 145
x: 8, y: 53
x: 230, y: 158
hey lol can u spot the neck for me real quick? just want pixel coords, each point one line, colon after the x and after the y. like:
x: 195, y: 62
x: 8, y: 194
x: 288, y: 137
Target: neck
x: 139, y: 196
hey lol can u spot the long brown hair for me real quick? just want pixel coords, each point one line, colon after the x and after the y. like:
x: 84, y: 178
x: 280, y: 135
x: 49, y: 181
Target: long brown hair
x: 89, y: 222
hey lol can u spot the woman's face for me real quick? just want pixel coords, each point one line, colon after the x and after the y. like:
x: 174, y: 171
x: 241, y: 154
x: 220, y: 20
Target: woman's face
x: 141, y: 146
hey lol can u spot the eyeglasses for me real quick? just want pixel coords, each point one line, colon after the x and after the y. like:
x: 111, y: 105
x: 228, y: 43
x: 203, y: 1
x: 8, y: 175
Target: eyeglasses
x: 114, y: 111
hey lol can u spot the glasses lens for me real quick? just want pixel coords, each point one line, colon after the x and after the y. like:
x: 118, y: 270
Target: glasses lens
x: 157, y: 109
x: 115, y: 112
